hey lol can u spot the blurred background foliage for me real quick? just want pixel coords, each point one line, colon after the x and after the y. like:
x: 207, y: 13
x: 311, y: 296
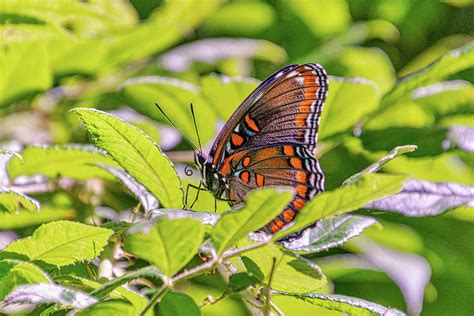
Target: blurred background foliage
x: 123, y: 56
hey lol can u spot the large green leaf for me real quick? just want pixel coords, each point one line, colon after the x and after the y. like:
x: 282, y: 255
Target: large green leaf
x: 292, y: 273
x: 347, y: 305
x: 225, y: 94
x: 174, y: 303
x: 351, y: 197
x: 138, y: 154
x: 174, y: 97
x: 62, y: 243
x: 450, y: 63
x: 15, y: 273
x: 169, y: 245
x: 261, y: 206
x: 363, y: 95
x: 13, y: 201
x: 329, y: 233
x: 16, y: 62
x: 74, y: 162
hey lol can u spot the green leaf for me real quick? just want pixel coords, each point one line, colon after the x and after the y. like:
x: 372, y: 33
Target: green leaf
x: 241, y: 280
x: 12, y: 201
x: 292, y: 273
x: 109, y: 308
x: 261, y: 206
x: 345, y: 199
x: 252, y: 268
x: 75, y: 162
x: 16, y: 62
x: 138, y: 154
x: 174, y: 97
x: 347, y: 305
x: 225, y: 94
x: 15, y: 273
x: 241, y: 19
x: 450, y: 63
x: 370, y: 63
x: 169, y: 245
x: 174, y: 303
x: 62, y: 243
x: 336, y: 20
x: 394, y: 153
x: 364, y: 97
x: 329, y: 233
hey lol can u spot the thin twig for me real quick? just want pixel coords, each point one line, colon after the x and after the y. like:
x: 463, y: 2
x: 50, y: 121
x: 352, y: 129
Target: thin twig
x: 156, y: 298
x: 267, y: 307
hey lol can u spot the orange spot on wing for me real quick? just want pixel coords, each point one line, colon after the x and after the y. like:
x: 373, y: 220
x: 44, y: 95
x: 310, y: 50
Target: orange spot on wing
x: 300, y: 120
x: 300, y: 135
x: 225, y: 169
x: 305, y: 105
x: 236, y: 140
x: 260, y: 180
x: 251, y: 123
x: 301, y: 176
x: 288, y: 215
x: 245, y: 176
x: 296, y: 163
x: 246, y: 161
x: 289, y: 150
x: 302, y: 190
x: 298, y: 203
x: 310, y: 80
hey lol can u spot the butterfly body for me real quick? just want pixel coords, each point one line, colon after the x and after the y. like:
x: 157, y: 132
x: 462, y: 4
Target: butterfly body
x: 270, y: 140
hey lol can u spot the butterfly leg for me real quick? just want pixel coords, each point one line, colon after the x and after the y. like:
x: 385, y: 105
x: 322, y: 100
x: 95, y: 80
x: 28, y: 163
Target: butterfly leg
x: 199, y: 188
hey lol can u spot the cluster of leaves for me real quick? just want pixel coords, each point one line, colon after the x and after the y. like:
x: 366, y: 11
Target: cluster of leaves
x: 403, y: 147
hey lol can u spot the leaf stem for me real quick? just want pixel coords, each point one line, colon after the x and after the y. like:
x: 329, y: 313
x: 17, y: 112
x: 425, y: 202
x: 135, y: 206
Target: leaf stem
x: 267, y: 307
x: 156, y: 298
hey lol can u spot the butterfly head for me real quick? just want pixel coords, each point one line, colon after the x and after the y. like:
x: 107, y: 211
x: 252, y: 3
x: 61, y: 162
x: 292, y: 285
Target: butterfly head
x: 213, y: 180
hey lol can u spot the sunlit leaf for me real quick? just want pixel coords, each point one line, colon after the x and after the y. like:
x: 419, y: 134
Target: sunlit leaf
x: 346, y: 304
x: 261, y: 206
x: 394, y: 153
x: 225, y: 94
x: 364, y: 96
x: 16, y: 62
x: 174, y: 303
x: 329, y: 233
x: 17, y: 273
x: 69, y: 161
x: 50, y: 293
x: 422, y: 198
x: 169, y: 245
x: 140, y: 156
x: 335, y: 20
x: 292, y: 273
x: 148, y: 201
x: 241, y: 19
x: 450, y: 63
x: 62, y: 243
x: 351, y: 197
x: 13, y: 201
x: 174, y: 98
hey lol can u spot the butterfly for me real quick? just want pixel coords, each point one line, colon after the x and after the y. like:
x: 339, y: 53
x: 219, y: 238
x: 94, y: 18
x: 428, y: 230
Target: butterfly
x: 270, y: 140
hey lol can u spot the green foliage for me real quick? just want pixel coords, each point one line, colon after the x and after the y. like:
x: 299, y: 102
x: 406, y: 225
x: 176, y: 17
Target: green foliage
x: 400, y: 79
x: 61, y: 243
x: 138, y: 154
x: 260, y: 208
x: 176, y: 242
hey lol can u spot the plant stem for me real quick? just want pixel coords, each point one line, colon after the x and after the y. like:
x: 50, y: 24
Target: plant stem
x: 155, y: 299
x: 267, y: 307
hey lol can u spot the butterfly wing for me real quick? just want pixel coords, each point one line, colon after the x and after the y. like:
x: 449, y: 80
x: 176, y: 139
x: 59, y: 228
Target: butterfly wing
x: 271, y: 138
x: 284, y: 109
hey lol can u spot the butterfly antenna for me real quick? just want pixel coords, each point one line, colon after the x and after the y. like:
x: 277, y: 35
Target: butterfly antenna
x: 195, y: 127
x: 174, y: 125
